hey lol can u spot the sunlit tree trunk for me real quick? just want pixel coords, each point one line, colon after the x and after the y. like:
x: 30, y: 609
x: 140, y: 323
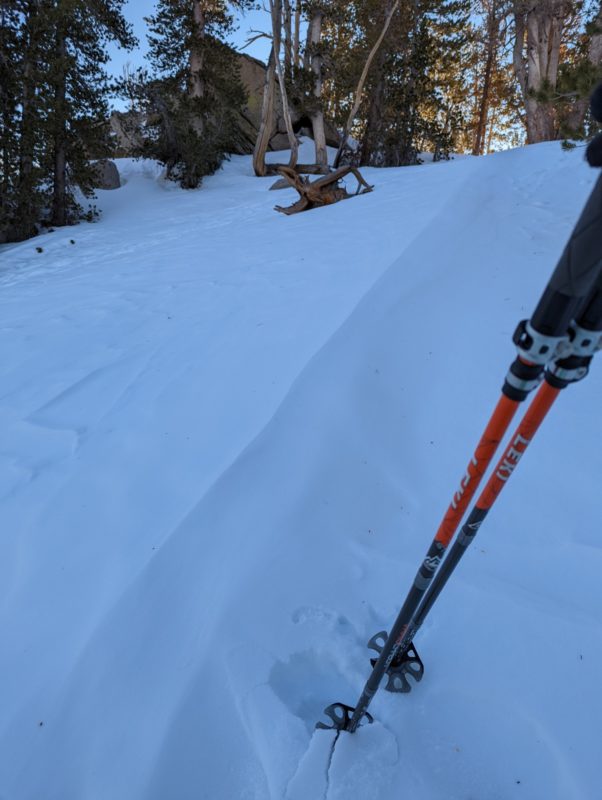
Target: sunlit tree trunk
x: 316, y: 61
x: 267, y: 118
x: 538, y: 29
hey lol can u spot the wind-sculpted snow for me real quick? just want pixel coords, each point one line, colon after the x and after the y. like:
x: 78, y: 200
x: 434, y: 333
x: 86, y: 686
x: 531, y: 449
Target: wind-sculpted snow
x: 228, y: 437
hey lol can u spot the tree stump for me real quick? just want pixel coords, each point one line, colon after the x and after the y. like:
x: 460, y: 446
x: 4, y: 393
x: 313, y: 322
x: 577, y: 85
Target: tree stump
x: 322, y: 192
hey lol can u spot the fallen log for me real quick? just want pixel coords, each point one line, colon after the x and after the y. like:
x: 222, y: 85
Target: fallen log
x: 322, y: 192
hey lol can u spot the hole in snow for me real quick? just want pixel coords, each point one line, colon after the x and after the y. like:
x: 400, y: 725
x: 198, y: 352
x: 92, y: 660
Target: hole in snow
x: 307, y: 683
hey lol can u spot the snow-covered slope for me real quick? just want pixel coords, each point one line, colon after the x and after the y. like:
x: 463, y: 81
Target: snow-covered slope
x: 227, y: 439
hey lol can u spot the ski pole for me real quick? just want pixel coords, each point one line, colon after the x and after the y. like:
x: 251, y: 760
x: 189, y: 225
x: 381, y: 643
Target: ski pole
x: 397, y: 654
x: 586, y: 340
x: 495, y: 430
x: 538, y: 342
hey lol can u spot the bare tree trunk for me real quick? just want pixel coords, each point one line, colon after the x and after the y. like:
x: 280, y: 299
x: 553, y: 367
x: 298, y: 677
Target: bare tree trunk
x: 316, y: 60
x: 267, y: 118
x: 361, y: 83
x: 477, y: 149
x: 370, y: 144
x: 518, y: 63
x: 544, y: 31
x: 276, y: 12
x: 493, y: 33
x: 491, y: 128
x: 288, y: 36
x: 542, y: 21
x: 306, y: 61
x: 59, y: 184
x: 296, y: 34
x: 196, y: 56
x: 474, y: 103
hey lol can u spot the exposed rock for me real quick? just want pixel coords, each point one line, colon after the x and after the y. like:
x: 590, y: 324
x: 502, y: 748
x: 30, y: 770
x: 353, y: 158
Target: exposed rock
x: 279, y: 141
x: 281, y: 183
x: 126, y: 126
x: 107, y: 175
x: 252, y: 75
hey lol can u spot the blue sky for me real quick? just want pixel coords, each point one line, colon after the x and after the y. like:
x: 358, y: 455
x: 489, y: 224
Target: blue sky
x: 136, y: 10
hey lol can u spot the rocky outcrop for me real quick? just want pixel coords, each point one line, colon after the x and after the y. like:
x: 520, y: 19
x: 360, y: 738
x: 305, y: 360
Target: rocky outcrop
x: 125, y: 127
x: 107, y: 174
x: 252, y: 73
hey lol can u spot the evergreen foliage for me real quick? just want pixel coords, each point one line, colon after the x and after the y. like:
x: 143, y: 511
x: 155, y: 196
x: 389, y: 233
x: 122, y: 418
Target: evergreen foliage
x: 578, y: 76
x: 416, y: 94
x: 55, y: 93
x: 193, y: 96
x: 447, y: 77
x: 495, y: 104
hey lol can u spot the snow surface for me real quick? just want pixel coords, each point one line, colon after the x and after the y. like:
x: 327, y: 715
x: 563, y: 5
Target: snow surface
x: 228, y: 437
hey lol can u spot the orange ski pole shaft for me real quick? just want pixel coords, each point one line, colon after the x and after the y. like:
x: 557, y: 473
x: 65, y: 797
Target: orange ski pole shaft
x: 586, y: 339
x: 534, y: 416
x: 542, y: 340
x: 494, y: 433
x: 348, y: 718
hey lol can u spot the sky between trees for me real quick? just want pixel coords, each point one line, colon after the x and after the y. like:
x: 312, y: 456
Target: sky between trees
x: 136, y: 10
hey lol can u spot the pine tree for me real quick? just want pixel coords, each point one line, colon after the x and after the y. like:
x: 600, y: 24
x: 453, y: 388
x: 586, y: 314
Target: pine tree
x: 55, y: 107
x: 418, y: 94
x: 9, y: 99
x: 540, y: 27
x: 417, y: 90
x: 20, y: 75
x: 486, y: 58
x: 194, y: 95
x: 446, y: 106
x: 76, y: 96
x: 579, y: 73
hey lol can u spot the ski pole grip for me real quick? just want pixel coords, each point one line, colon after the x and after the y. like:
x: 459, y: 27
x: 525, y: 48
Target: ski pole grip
x: 576, y: 273
x: 580, y: 264
x: 576, y: 278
